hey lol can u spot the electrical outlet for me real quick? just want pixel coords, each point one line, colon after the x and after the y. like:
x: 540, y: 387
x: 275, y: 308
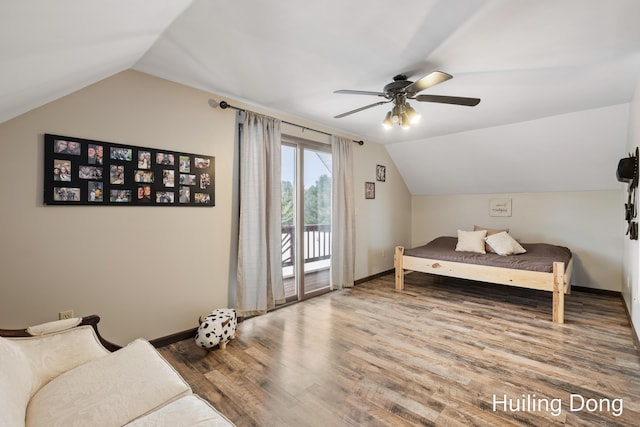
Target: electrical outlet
x: 67, y: 314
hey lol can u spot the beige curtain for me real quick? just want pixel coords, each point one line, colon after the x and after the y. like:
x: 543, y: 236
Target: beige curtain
x: 260, y: 286
x: 342, y: 214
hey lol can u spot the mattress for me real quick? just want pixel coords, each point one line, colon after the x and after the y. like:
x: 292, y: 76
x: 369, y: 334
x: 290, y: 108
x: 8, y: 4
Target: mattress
x: 539, y: 256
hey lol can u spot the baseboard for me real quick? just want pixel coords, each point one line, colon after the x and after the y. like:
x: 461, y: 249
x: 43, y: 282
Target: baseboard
x: 375, y: 276
x: 173, y: 338
x: 636, y: 341
x: 596, y: 291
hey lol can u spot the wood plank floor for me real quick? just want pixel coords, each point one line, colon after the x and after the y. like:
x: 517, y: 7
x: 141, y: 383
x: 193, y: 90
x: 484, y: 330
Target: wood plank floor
x: 442, y: 352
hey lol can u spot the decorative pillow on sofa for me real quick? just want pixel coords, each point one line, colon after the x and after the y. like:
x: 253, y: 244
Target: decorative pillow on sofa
x: 490, y: 232
x: 471, y: 241
x: 503, y: 244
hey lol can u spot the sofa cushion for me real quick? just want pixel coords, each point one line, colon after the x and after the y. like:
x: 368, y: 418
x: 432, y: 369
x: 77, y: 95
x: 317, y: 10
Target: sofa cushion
x: 186, y: 411
x: 17, y: 382
x: 108, y: 391
x: 56, y: 353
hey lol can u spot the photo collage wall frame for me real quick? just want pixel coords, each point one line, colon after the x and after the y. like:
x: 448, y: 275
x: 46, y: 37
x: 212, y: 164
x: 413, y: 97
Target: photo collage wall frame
x: 86, y: 172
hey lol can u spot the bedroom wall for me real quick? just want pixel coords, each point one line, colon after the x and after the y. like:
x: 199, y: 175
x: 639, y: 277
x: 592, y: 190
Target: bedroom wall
x: 631, y: 259
x: 587, y: 222
x: 148, y: 272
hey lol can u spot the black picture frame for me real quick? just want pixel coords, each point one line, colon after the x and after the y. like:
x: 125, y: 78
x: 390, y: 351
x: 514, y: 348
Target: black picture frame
x: 369, y: 190
x: 87, y: 172
x: 381, y: 173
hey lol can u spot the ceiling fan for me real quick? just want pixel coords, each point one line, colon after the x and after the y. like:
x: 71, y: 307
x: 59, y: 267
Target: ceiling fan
x: 400, y: 90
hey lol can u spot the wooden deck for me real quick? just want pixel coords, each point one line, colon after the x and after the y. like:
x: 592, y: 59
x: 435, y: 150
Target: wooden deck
x: 313, y: 281
x: 441, y: 352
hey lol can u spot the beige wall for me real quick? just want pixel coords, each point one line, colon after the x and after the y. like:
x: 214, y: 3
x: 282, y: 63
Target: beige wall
x: 384, y: 222
x: 589, y: 223
x: 148, y: 272
x: 631, y: 267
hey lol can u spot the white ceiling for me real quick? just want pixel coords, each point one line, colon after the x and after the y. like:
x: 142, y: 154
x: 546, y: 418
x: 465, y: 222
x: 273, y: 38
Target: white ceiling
x: 528, y: 62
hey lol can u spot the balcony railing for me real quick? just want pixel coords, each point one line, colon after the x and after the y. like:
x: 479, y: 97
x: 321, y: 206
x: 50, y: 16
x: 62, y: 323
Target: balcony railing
x: 317, y: 243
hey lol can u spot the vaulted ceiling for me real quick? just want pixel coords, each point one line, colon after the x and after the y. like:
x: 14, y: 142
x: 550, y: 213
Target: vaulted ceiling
x: 555, y: 76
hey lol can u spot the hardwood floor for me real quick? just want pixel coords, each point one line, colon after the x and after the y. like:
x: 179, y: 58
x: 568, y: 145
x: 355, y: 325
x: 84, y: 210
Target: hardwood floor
x: 442, y: 352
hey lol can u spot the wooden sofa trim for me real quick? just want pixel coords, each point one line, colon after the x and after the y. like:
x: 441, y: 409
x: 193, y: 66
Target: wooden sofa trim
x: 91, y: 320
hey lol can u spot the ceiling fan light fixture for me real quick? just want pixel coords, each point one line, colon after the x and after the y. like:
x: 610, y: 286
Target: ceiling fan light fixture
x: 404, y: 121
x: 387, y: 123
x: 414, y: 116
x: 395, y: 114
x: 401, y: 90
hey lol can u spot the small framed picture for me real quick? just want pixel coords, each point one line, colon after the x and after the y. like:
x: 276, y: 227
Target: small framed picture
x: 185, y: 195
x: 120, y: 196
x: 144, y: 159
x: 185, y: 164
x: 369, y: 190
x: 66, y: 194
x: 95, y: 191
x: 168, y: 178
x: 62, y: 170
x: 62, y: 146
x: 202, y: 163
x: 381, y: 173
x: 202, y: 198
x: 165, y: 159
x: 164, y: 197
x: 500, y: 207
x: 121, y: 153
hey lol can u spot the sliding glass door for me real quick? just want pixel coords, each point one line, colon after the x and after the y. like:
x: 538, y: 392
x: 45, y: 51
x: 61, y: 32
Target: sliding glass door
x: 306, y: 218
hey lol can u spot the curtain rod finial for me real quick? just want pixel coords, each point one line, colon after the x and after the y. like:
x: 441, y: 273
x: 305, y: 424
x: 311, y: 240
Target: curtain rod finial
x: 361, y: 142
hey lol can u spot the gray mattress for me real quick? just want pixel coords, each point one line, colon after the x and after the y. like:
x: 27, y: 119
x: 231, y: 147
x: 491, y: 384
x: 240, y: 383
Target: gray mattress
x: 539, y: 256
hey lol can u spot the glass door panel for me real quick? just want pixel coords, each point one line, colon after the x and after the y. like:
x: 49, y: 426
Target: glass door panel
x: 306, y: 220
x: 289, y: 246
x: 317, y: 220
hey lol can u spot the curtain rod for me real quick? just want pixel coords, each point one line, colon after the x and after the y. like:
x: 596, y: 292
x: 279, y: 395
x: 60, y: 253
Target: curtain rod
x: 224, y: 105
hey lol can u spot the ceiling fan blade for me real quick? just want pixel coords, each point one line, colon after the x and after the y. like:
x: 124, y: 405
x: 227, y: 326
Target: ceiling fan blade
x: 359, y: 92
x: 431, y: 79
x: 457, y: 100
x: 375, y: 104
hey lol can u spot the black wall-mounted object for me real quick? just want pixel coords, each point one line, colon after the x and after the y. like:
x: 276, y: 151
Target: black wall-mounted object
x: 97, y: 173
x: 627, y: 171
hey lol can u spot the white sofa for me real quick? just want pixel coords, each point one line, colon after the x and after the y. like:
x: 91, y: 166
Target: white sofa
x: 62, y: 375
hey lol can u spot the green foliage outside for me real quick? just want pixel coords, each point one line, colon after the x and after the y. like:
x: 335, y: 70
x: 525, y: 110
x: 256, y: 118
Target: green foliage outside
x: 317, y: 202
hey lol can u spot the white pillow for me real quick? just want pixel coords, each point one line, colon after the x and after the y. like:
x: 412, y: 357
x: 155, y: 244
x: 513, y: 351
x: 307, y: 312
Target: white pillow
x: 503, y: 244
x: 55, y: 326
x: 471, y: 241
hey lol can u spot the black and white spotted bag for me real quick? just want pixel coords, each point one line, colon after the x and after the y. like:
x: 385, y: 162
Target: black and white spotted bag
x: 217, y: 327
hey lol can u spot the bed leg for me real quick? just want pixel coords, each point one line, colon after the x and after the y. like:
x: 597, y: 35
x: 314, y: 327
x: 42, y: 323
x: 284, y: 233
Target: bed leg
x: 397, y: 263
x: 558, y: 292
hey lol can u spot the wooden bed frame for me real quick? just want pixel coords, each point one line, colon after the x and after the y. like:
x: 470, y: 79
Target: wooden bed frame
x: 557, y: 282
